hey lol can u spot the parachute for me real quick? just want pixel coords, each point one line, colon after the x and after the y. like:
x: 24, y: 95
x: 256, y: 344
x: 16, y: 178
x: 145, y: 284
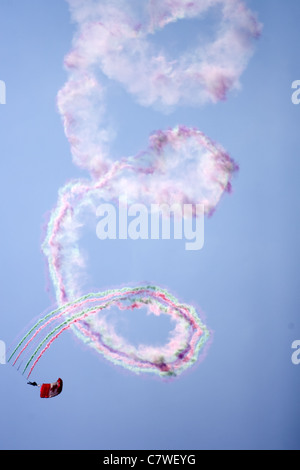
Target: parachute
x: 51, y: 390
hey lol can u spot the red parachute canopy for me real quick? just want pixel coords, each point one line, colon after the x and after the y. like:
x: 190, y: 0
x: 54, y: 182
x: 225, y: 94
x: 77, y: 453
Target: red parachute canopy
x: 51, y: 390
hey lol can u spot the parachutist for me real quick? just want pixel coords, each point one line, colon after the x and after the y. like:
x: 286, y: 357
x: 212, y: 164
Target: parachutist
x: 49, y: 390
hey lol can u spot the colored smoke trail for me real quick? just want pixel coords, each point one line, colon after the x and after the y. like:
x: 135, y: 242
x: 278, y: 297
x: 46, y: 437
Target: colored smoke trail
x: 180, y: 165
x: 115, y: 37
x: 181, y: 351
x: 167, y: 172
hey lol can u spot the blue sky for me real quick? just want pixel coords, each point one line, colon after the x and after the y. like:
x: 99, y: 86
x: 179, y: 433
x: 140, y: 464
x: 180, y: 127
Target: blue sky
x: 245, y: 394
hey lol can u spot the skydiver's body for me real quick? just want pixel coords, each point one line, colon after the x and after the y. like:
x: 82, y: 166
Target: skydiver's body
x: 34, y: 384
